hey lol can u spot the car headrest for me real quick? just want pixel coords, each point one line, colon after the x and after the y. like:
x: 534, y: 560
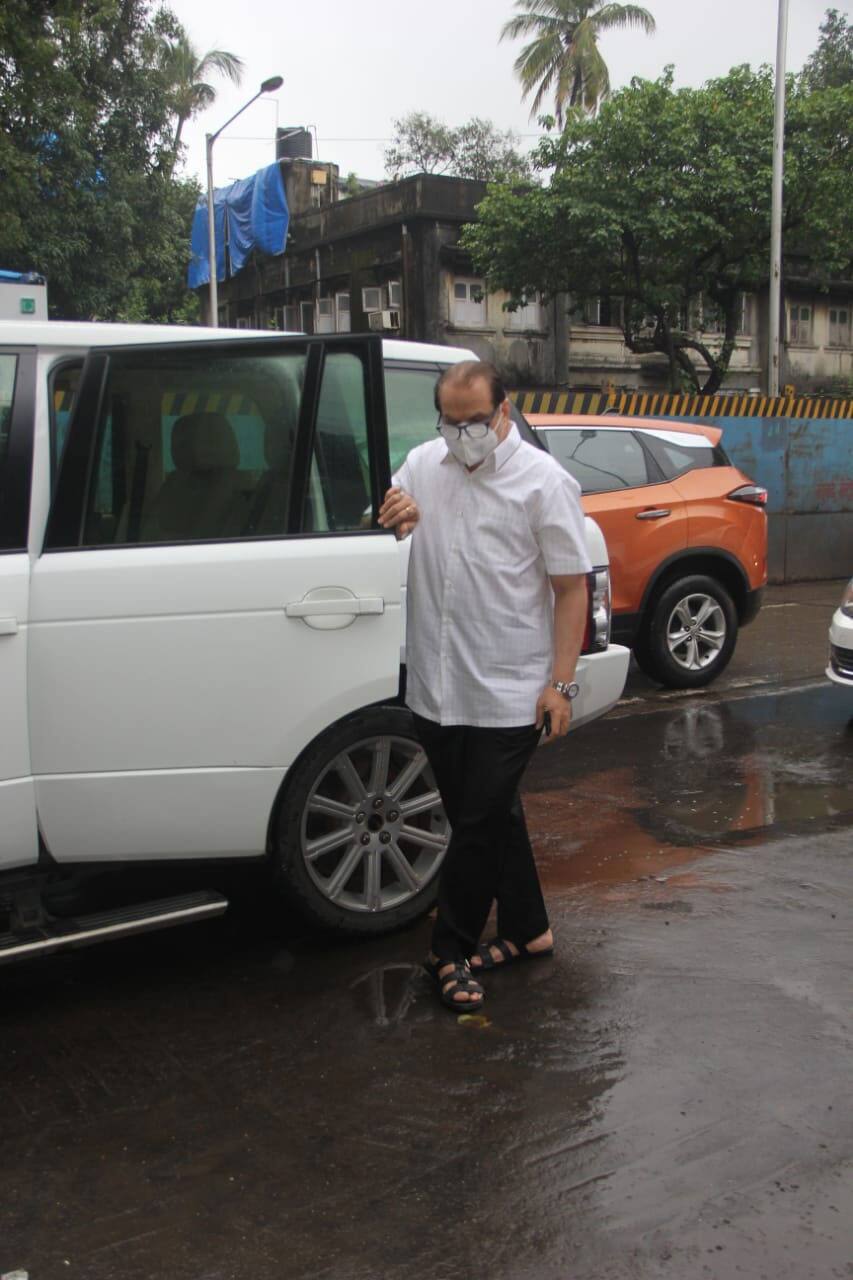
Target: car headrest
x: 204, y: 442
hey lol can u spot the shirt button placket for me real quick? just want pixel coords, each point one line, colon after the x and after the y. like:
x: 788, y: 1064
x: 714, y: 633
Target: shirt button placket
x: 445, y: 611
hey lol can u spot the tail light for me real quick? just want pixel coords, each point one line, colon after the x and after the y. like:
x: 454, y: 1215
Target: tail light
x: 752, y: 494
x: 597, y: 634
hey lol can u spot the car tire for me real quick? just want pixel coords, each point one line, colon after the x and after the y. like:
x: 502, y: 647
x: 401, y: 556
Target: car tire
x: 360, y: 832
x: 690, y: 633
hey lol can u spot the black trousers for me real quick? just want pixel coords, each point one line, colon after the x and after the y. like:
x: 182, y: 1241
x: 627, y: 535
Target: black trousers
x: 478, y: 772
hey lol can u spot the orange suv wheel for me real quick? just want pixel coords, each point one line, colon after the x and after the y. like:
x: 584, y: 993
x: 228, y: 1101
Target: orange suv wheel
x: 689, y: 634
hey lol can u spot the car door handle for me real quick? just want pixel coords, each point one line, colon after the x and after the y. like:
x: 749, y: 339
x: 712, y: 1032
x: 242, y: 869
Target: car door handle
x: 354, y: 607
x: 8, y: 626
x: 654, y: 513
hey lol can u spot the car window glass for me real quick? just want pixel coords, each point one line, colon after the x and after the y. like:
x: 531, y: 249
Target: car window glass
x: 193, y: 446
x: 410, y: 399
x: 8, y: 370
x: 600, y: 461
x: 676, y: 458
x: 63, y: 391
x: 339, y: 480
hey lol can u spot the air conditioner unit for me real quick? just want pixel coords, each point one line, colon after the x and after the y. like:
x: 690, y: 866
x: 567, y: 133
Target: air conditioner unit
x: 376, y: 319
x: 391, y: 319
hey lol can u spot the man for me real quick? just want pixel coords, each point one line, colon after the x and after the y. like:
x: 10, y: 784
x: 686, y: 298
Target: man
x: 497, y: 608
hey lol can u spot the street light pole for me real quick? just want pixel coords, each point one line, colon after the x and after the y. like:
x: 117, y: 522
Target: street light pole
x: 773, y: 346
x: 212, y: 299
x: 268, y: 86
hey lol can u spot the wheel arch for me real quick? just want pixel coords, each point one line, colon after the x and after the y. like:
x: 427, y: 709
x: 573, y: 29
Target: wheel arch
x: 711, y: 561
x: 293, y: 767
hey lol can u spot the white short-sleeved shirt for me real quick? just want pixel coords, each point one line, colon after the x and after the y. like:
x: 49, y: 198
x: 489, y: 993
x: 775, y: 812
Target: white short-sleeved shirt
x: 480, y: 609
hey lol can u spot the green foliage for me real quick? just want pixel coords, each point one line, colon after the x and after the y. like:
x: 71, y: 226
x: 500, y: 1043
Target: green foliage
x: 665, y: 196
x: 831, y: 64
x: 185, y: 73
x: 563, y: 59
x: 86, y: 150
x: 477, y: 149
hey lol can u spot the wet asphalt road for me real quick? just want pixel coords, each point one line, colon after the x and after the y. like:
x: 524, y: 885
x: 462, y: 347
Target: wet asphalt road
x: 670, y: 1097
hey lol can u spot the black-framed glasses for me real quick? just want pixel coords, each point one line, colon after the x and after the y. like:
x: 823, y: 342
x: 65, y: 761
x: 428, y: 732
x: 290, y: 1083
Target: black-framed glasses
x: 473, y: 430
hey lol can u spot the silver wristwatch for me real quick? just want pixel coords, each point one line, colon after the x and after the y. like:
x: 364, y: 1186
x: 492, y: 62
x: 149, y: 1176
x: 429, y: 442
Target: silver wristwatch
x: 567, y: 690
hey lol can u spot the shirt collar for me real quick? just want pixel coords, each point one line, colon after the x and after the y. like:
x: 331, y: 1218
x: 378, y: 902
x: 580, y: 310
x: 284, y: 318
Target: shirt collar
x: 498, y: 457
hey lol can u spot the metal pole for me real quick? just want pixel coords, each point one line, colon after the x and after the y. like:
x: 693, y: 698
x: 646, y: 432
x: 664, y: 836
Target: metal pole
x: 776, y: 207
x: 213, y: 302
x: 268, y: 86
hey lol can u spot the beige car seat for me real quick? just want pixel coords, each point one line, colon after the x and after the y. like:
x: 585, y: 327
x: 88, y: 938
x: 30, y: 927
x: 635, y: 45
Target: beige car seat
x: 200, y: 498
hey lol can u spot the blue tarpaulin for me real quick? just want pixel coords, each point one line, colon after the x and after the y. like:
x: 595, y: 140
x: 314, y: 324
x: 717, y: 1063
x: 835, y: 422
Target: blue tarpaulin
x: 254, y: 214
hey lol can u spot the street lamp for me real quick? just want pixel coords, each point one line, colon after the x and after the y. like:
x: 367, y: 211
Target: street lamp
x: 268, y: 86
x: 775, y: 314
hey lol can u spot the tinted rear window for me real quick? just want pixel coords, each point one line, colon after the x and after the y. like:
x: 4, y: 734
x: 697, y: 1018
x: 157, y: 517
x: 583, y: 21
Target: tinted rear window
x: 675, y: 458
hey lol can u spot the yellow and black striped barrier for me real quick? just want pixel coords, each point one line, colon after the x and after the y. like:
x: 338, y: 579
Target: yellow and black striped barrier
x: 175, y: 403
x: 656, y: 404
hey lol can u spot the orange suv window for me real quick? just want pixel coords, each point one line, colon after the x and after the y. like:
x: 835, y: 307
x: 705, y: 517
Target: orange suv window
x: 600, y: 461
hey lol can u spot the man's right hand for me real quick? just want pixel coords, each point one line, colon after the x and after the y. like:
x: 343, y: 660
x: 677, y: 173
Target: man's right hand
x: 399, y: 512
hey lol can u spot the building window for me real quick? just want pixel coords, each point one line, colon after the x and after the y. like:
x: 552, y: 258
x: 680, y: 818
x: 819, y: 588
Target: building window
x: 287, y: 318
x: 342, y: 310
x: 325, y: 315
x: 528, y: 316
x: 703, y: 315
x: 606, y: 311
x: 744, y: 323
x: 395, y: 293
x: 468, y: 307
x: 371, y: 299
x: 306, y: 317
x: 839, y: 327
x: 800, y: 325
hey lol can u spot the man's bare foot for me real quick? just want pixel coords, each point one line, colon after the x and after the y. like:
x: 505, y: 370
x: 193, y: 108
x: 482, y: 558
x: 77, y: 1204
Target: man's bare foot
x: 544, y: 943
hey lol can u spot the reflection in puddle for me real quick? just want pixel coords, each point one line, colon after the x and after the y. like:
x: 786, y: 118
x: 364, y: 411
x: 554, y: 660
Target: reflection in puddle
x: 677, y: 785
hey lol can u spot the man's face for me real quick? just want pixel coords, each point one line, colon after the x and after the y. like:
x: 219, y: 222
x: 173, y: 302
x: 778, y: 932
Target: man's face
x: 472, y: 402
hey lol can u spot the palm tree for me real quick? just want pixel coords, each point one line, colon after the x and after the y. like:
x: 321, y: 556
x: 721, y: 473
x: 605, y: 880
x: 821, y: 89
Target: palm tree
x: 185, y: 72
x: 563, y: 58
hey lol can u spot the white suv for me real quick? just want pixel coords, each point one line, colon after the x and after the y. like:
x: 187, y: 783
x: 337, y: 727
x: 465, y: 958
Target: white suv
x: 839, y: 666
x: 201, y: 624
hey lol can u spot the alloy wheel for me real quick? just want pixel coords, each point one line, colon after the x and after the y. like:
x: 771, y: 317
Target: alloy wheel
x: 696, y: 631
x: 374, y: 830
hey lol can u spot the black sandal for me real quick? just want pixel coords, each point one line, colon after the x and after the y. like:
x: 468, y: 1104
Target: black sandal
x: 488, y: 961
x: 449, y: 984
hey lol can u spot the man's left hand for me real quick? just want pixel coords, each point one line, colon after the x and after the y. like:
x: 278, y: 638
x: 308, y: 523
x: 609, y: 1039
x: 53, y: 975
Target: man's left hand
x: 560, y: 710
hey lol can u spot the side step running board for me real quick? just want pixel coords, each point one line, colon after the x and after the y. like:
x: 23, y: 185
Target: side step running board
x: 84, y: 931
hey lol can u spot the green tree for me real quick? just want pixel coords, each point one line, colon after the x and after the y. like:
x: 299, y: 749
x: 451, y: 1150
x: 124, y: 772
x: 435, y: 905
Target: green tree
x: 86, y: 134
x: 423, y: 144
x: 664, y: 197
x: 831, y: 64
x: 563, y: 59
x: 186, y: 73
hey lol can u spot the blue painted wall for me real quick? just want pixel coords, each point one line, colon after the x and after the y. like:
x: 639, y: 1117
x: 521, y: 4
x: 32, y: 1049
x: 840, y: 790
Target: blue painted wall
x: 806, y: 466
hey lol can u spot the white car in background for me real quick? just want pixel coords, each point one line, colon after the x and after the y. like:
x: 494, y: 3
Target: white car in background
x: 201, y: 632
x: 840, y: 665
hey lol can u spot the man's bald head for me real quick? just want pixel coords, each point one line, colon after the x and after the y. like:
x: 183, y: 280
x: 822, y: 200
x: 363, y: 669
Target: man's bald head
x: 468, y: 372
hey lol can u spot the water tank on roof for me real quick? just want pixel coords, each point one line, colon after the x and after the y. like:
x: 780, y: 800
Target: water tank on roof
x: 293, y: 144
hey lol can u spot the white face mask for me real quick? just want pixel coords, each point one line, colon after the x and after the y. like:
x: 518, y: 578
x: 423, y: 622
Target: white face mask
x: 468, y: 451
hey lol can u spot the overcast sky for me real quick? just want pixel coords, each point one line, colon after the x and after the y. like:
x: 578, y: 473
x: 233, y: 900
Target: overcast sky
x: 351, y: 68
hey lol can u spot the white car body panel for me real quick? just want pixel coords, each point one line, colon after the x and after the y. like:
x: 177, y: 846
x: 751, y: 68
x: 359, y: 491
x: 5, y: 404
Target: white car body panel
x: 18, y: 835
x: 150, y: 659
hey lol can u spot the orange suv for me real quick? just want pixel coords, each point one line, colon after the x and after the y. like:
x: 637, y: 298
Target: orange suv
x: 686, y: 532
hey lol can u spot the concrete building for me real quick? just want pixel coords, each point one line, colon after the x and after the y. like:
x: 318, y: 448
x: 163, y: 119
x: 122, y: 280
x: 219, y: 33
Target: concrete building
x: 366, y: 257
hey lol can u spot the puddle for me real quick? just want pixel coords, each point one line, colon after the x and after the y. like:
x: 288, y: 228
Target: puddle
x: 673, y: 787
